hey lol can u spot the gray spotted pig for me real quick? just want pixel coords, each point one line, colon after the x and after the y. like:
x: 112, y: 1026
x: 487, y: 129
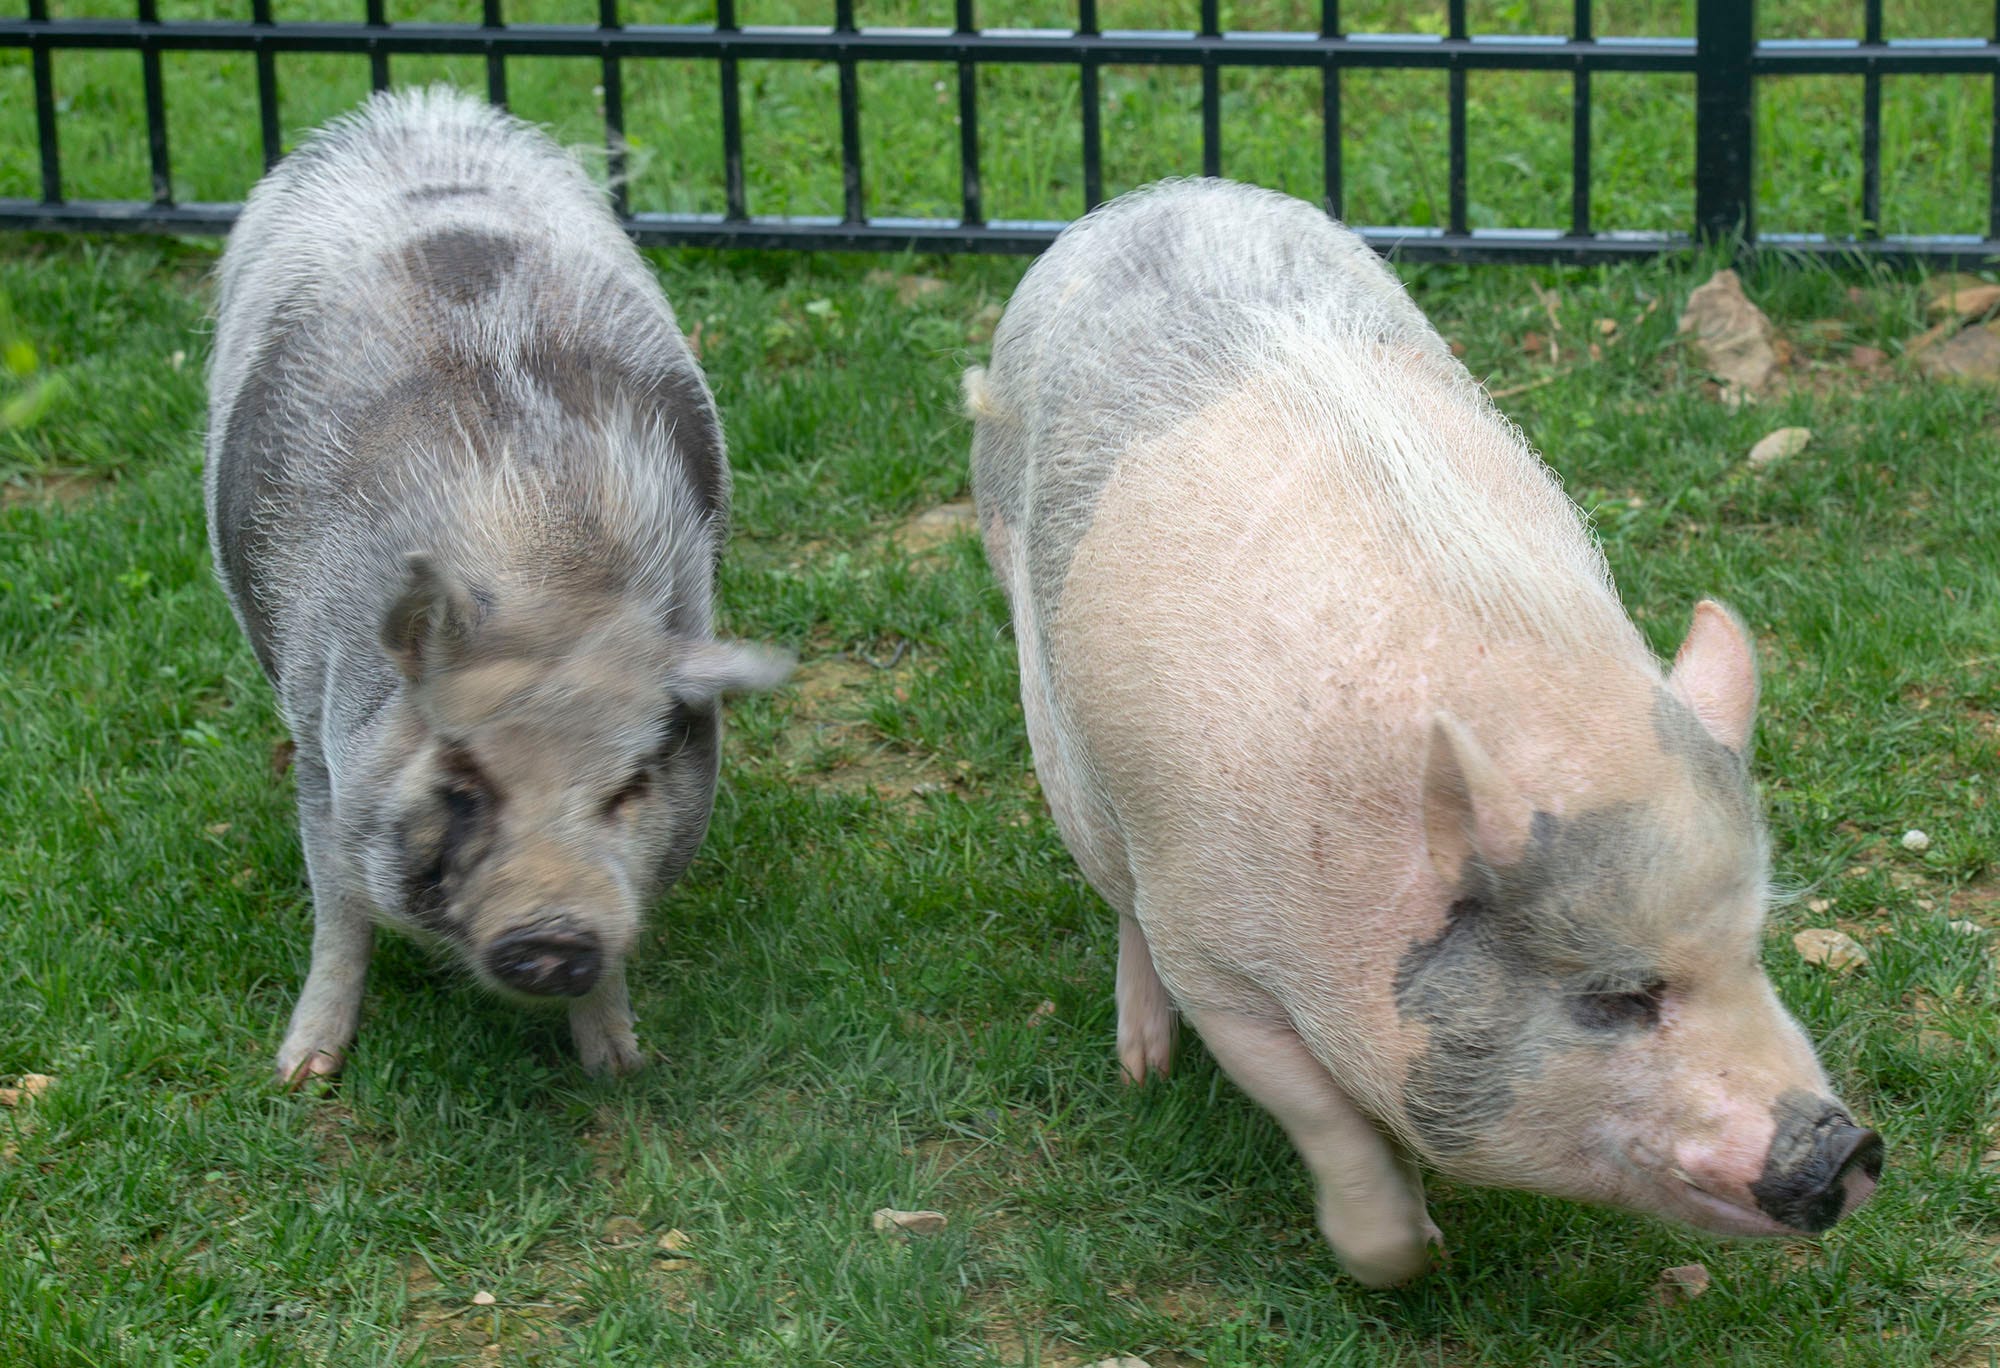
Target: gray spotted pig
x: 466, y: 490
x: 1334, y: 701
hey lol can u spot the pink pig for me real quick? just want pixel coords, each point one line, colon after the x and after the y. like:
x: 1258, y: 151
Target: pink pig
x: 1334, y: 700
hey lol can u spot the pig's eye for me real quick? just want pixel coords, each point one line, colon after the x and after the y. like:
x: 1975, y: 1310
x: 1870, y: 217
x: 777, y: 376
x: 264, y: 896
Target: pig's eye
x: 635, y: 789
x: 1608, y: 1011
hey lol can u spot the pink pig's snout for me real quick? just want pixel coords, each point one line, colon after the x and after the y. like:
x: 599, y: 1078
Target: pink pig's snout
x: 1817, y: 1167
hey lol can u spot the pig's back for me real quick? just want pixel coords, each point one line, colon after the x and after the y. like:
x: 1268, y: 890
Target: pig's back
x: 1141, y: 315
x: 425, y: 286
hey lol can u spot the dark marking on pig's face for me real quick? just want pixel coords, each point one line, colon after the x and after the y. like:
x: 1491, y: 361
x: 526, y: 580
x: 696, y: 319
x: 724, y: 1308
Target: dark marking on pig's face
x: 462, y: 264
x: 443, y: 837
x: 1531, y: 962
x: 1720, y: 776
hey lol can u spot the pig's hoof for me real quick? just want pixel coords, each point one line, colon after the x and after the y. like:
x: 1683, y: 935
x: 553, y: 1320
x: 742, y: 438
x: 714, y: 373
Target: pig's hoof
x: 1387, y: 1263
x: 1146, y: 1047
x: 609, y: 1054
x: 299, y: 1065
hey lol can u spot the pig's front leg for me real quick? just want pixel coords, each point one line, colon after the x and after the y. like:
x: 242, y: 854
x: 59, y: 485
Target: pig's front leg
x: 601, y: 1025
x: 329, y: 1006
x: 1145, y: 1012
x: 1371, y: 1200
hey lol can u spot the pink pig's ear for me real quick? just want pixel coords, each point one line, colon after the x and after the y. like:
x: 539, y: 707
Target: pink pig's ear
x: 1469, y: 807
x: 1715, y: 674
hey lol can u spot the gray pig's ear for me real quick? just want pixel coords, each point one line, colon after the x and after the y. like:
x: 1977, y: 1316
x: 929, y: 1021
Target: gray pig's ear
x: 706, y: 670
x: 1715, y: 674
x: 432, y: 617
x: 1470, y: 810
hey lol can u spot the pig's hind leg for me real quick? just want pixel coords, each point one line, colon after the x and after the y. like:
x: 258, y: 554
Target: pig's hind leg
x: 1145, y: 1011
x: 1371, y: 1199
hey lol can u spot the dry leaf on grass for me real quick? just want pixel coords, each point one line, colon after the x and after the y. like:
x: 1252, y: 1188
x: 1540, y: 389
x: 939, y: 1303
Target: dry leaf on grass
x: 30, y: 1087
x: 909, y: 1222
x: 1779, y: 445
x: 1736, y: 341
x: 1683, y: 1283
x: 1836, y: 950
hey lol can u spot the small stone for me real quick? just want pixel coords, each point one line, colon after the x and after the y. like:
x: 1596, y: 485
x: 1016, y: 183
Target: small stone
x: 1607, y: 326
x: 1043, y: 1010
x: 1966, y: 928
x: 1915, y: 841
x: 1684, y: 1283
x: 483, y: 1299
x: 1836, y: 950
x: 1779, y: 445
x: 1122, y: 1361
x: 1966, y: 296
x: 1971, y: 354
x: 674, y: 1265
x: 674, y: 1241
x: 1818, y: 905
x: 909, y: 1222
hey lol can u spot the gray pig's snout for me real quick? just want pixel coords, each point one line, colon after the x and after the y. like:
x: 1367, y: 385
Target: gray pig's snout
x: 1819, y: 1169
x: 547, y: 960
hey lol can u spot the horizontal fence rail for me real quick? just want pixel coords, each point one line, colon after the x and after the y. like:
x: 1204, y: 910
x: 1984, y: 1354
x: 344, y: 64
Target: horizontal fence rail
x: 1724, y: 57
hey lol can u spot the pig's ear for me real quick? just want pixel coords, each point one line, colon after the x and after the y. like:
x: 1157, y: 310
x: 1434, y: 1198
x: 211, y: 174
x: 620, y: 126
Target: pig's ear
x: 1470, y: 810
x: 1715, y: 674
x: 706, y: 670
x: 431, y: 618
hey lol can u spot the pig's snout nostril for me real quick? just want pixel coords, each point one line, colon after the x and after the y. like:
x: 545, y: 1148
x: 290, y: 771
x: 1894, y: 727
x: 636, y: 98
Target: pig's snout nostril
x: 546, y: 962
x: 1834, y: 1167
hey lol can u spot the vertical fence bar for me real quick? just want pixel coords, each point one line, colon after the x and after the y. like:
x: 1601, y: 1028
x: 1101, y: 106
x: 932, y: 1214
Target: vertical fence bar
x: 1579, y: 115
x: 1456, y: 19
x: 1993, y: 156
x: 378, y: 60
x: 267, y: 88
x: 45, y: 110
x: 496, y: 64
x: 735, y: 206
x: 1725, y: 121
x: 156, y: 109
x: 1211, y: 95
x: 850, y: 121
x: 1333, y: 196
x: 1093, y: 130
x: 1871, y: 129
x: 972, y: 209
x: 614, y: 113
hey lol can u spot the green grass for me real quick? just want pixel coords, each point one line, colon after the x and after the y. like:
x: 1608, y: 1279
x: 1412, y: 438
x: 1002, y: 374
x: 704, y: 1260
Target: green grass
x: 843, y: 995
x: 1936, y: 131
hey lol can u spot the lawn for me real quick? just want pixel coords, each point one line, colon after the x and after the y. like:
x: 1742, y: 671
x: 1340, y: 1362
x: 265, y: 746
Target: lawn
x: 883, y: 983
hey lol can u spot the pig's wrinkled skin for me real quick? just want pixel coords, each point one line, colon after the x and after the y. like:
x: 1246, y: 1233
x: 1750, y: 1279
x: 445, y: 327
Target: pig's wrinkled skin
x: 1334, y: 701
x: 466, y: 490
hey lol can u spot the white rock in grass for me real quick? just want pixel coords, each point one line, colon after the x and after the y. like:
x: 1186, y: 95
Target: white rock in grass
x: 1836, y: 950
x: 483, y: 1299
x: 909, y: 1222
x: 1916, y: 841
x: 1967, y: 928
x: 1122, y: 1361
x: 1684, y: 1283
x: 1779, y: 445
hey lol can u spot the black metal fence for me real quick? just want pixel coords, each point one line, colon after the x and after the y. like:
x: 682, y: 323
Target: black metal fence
x: 1724, y: 57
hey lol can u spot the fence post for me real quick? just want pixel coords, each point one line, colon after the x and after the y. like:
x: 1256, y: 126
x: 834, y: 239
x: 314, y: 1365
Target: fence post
x: 1725, y: 119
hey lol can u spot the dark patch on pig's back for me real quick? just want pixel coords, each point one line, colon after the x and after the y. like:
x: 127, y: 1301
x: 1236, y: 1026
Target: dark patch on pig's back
x: 462, y: 263
x: 584, y: 379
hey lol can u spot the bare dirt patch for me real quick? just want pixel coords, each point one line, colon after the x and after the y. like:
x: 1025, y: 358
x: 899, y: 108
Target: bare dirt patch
x: 934, y: 527
x: 60, y: 489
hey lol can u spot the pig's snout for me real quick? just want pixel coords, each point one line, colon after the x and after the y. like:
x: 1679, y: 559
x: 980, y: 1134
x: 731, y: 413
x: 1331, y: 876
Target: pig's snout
x: 1821, y: 1166
x: 547, y: 960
